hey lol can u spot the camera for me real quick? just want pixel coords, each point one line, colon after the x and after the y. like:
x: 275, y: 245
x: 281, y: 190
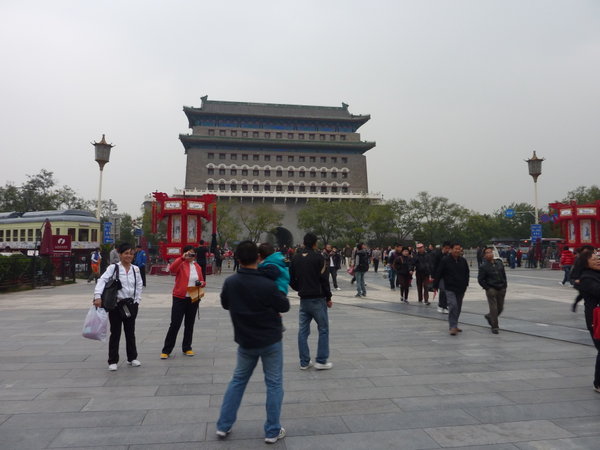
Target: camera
x: 198, y: 283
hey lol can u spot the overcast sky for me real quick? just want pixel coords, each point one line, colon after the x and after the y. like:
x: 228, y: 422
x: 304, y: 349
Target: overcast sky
x: 459, y: 92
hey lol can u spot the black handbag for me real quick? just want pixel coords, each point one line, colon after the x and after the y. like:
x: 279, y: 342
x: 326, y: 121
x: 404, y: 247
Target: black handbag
x: 111, y: 288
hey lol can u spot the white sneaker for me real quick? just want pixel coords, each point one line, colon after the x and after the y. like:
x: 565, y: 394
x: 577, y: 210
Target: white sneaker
x: 134, y: 363
x: 561, y: 283
x: 222, y: 434
x: 440, y: 310
x: 272, y: 440
x: 308, y: 366
x: 112, y: 367
x: 325, y: 366
x: 337, y: 289
x: 445, y: 310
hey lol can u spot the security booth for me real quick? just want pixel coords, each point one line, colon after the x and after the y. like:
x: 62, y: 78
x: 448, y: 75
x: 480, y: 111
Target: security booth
x: 184, y: 216
x: 579, y: 223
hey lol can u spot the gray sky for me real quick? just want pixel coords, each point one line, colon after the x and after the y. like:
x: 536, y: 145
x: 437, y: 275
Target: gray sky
x: 460, y: 92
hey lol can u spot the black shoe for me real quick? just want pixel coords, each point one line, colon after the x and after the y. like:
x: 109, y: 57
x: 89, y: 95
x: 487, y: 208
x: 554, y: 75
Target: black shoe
x: 488, y: 319
x: 495, y: 330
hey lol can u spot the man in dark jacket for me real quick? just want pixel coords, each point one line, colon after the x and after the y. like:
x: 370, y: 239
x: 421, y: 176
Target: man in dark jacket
x: 423, y: 271
x: 254, y: 304
x: 453, y: 271
x: 333, y: 261
x: 310, y: 277
x: 492, y: 278
x: 436, y: 258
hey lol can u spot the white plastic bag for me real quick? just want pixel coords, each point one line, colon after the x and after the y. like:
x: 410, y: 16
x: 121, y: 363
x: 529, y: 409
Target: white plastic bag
x: 96, y: 324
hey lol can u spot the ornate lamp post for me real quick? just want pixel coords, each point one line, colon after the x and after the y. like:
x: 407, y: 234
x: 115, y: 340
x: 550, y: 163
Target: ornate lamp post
x: 102, y: 149
x: 535, y: 170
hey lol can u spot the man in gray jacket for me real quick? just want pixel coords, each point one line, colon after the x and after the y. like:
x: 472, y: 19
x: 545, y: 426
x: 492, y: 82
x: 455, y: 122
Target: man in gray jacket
x: 492, y: 278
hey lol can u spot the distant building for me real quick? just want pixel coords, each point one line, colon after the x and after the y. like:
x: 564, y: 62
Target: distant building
x: 23, y: 231
x: 283, y: 154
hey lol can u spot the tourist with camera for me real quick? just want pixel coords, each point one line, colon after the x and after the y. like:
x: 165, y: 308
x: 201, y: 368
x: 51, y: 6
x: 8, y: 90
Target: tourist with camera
x: 189, y: 281
x: 126, y: 310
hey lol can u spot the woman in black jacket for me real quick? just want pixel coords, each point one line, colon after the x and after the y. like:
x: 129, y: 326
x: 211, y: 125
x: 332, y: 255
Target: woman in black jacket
x: 589, y: 287
x: 404, y: 266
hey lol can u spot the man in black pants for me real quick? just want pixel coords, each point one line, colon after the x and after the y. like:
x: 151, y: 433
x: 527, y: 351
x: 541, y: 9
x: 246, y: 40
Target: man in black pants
x: 438, y: 254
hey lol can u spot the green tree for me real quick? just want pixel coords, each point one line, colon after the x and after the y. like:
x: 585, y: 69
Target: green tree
x: 259, y: 219
x: 324, y: 218
x: 356, y: 226
x: 407, y: 219
x: 439, y: 218
x: 228, y: 228
x: 583, y: 195
x: 381, y: 222
x: 126, y: 230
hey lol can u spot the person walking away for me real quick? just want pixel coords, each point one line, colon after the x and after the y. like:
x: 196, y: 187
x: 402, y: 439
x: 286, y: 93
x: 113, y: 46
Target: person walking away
x: 376, y: 256
x: 95, y: 261
x: 479, y: 255
x: 202, y: 256
x: 189, y: 278
x: 437, y: 256
x: 309, y: 277
x: 218, y: 260
x: 390, y: 262
x: 347, y: 255
x: 589, y: 286
x: 333, y: 262
x: 519, y: 258
x: 423, y: 273
x: 126, y: 311
x: 492, y: 278
x: 140, y: 260
x: 255, y: 305
x: 361, y: 265
x: 567, y: 258
x: 454, y: 273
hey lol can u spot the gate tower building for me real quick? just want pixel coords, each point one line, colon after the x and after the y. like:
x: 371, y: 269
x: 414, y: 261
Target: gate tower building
x: 281, y: 154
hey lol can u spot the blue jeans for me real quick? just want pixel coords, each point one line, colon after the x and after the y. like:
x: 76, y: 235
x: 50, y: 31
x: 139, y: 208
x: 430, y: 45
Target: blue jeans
x: 567, y: 271
x: 314, y: 308
x: 360, y: 283
x: 272, y: 361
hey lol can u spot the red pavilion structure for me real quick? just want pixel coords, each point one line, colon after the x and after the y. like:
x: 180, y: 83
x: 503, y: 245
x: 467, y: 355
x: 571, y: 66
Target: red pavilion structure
x: 184, y: 216
x: 580, y: 224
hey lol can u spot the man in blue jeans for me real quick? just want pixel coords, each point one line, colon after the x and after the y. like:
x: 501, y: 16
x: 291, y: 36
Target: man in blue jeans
x: 309, y: 275
x: 254, y: 304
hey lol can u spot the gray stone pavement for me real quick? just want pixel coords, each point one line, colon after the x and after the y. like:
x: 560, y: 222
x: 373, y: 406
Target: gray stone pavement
x: 399, y: 380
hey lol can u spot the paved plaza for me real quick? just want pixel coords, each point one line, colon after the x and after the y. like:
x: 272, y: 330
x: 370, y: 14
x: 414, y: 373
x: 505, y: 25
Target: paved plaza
x: 399, y: 380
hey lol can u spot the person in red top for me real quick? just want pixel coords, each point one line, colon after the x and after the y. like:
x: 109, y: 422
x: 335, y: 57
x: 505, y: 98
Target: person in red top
x: 188, y: 276
x: 567, y: 258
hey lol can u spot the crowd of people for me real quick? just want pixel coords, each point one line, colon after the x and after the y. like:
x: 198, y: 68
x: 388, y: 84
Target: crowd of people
x: 256, y: 296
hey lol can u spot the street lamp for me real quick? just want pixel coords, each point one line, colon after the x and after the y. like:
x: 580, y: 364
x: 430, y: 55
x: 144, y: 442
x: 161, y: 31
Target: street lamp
x: 535, y: 170
x: 102, y: 157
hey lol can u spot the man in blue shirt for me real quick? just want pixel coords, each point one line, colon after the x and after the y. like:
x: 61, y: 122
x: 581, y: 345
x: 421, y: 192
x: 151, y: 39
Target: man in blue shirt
x: 140, y: 261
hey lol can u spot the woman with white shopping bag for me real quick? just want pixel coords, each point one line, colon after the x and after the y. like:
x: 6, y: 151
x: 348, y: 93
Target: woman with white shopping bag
x: 125, y: 313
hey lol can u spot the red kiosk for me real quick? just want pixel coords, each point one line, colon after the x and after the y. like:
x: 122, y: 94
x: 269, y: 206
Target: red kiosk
x: 184, y: 220
x: 580, y: 224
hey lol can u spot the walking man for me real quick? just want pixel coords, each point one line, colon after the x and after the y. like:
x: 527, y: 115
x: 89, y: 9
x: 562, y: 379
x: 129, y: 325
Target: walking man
x: 254, y: 304
x: 376, y: 257
x: 454, y: 273
x: 202, y: 256
x: 423, y: 271
x: 309, y: 276
x: 333, y: 262
x: 436, y: 258
x: 492, y: 278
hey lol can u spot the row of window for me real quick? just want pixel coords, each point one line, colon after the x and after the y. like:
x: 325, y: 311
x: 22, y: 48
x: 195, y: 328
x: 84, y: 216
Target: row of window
x: 279, y: 158
x: 278, y: 173
x: 278, y: 188
x: 27, y: 235
x: 276, y: 135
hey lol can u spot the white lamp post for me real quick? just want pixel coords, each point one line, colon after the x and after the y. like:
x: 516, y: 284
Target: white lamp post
x: 102, y: 149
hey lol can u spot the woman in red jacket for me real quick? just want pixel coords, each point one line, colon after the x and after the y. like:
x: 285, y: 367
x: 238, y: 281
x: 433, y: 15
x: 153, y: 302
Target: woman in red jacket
x: 567, y: 258
x: 188, y: 279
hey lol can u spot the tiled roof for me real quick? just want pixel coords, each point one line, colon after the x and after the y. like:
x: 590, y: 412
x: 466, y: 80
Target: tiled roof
x: 275, y: 110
